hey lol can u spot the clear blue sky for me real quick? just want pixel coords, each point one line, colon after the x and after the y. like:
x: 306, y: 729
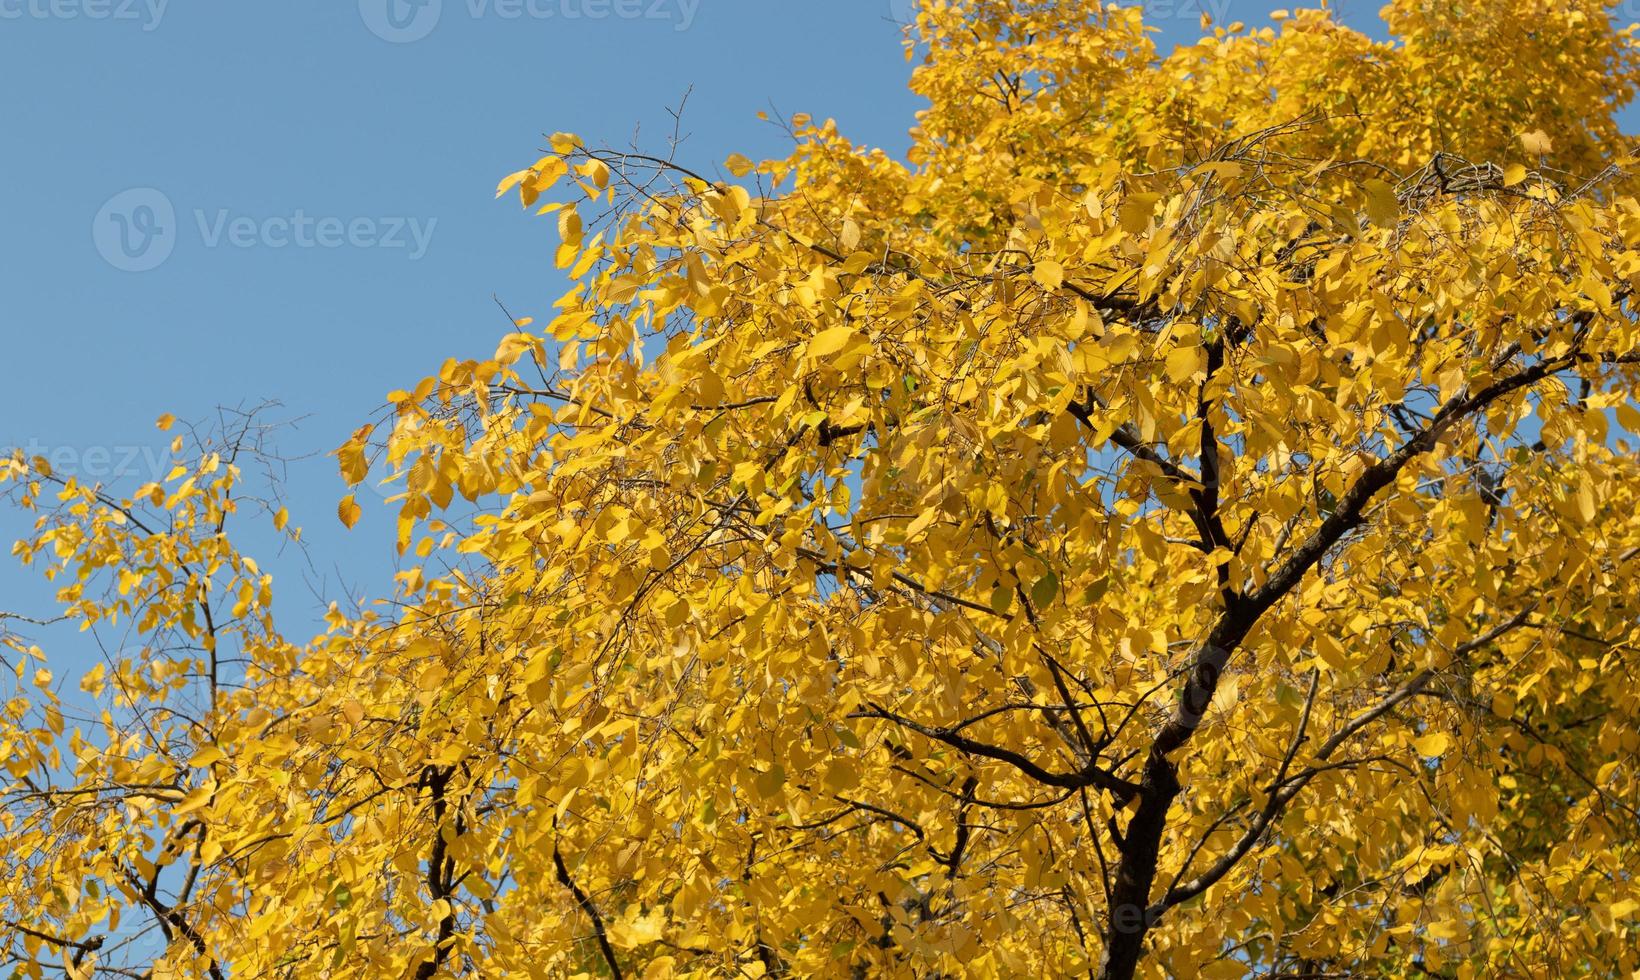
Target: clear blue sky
x: 356, y: 126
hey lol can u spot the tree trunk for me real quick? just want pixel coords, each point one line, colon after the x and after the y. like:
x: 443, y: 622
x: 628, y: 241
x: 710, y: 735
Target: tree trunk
x: 1129, y: 917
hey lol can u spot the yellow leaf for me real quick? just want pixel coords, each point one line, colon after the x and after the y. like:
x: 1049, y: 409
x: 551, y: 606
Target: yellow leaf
x: 1628, y: 417
x: 633, y: 930
x: 1382, y: 207
x: 350, y: 457
x: 1183, y: 363
x: 206, y: 756
x: 1585, y: 500
x: 164, y: 422
x: 849, y: 238
x: 510, y: 181
x: 194, y: 800
x: 348, y: 510
x: 842, y: 775
x: 770, y: 783
x: 1537, y: 143
x: 828, y: 342
x: 1432, y: 744
x: 1049, y: 274
x: 1134, y: 214
x: 569, y: 226
x: 433, y: 677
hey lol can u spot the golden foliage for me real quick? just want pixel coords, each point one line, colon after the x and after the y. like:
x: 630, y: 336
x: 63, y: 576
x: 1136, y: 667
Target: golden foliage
x: 1183, y: 520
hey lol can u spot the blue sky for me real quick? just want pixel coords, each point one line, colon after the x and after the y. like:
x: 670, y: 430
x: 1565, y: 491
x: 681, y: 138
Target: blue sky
x: 220, y: 202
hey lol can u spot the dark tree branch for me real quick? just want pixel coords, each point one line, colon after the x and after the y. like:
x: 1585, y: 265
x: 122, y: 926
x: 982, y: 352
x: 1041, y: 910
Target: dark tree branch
x: 1131, y: 914
x: 1089, y: 775
x: 582, y: 900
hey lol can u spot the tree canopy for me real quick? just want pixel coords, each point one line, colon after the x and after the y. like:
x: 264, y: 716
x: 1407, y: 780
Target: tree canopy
x: 1180, y: 520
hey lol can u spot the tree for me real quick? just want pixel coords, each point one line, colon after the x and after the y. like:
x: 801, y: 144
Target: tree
x: 1183, y: 521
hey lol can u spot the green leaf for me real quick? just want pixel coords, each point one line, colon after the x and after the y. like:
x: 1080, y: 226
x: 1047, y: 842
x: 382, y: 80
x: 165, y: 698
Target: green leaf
x: 1045, y: 590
